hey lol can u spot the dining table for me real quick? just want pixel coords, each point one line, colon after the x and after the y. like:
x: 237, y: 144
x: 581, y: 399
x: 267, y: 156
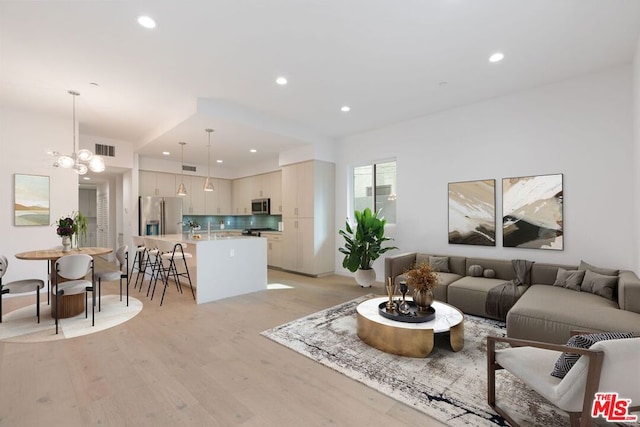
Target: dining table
x: 70, y: 305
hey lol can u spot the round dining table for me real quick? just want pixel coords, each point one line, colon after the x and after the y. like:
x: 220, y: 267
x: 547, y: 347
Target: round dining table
x: 70, y: 305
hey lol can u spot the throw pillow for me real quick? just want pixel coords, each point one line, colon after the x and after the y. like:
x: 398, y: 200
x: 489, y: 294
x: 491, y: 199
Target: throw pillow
x: 439, y: 263
x: 475, y: 270
x: 567, y: 360
x: 570, y: 279
x: 599, y: 284
x: 603, y: 271
x: 489, y: 273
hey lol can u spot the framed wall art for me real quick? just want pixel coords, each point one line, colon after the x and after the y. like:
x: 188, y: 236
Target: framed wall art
x: 532, y: 212
x: 472, y: 212
x: 31, y: 200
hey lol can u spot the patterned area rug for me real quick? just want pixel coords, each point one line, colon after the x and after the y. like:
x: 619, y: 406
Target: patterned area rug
x: 21, y: 325
x: 450, y: 387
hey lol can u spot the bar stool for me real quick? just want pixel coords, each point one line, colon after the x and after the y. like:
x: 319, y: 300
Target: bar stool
x: 122, y: 256
x: 19, y: 286
x: 170, y: 253
x: 151, y: 261
x: 138, y: 260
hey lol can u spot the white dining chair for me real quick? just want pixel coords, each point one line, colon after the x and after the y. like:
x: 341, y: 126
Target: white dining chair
x: 73, y: 268
x: 122, y: 257
x: 19, y: 286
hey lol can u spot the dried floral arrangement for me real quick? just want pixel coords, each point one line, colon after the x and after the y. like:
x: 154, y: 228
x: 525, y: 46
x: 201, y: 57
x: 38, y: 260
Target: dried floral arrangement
x: 422, y: 277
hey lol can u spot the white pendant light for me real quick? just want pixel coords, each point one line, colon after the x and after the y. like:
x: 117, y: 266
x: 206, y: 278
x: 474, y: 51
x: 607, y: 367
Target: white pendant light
x: 208, y: 183
x: 83, y: 160
x: 182, y: 190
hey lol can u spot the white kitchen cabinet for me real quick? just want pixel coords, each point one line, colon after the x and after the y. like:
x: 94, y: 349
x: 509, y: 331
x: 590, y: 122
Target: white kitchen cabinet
x: 167, y: 184
x: 197, y: 195
x: 275, y: 192
x: 241, y: 196
x: 274, y: 249
x: 147, y: 183
x: 218, y: 201
x: 157, y: 183
x: 308, y: 216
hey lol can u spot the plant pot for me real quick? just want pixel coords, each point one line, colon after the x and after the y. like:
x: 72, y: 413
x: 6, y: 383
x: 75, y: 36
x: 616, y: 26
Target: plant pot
x: 66, y: 243
x: 365, y: 278
x: 423, y: 298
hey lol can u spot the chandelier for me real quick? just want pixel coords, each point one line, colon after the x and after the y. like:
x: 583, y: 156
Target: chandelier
x: 82, y: 160
x: 208, y: 183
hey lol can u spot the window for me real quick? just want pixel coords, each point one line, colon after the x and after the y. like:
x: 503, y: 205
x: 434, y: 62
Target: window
x: 381, y: 177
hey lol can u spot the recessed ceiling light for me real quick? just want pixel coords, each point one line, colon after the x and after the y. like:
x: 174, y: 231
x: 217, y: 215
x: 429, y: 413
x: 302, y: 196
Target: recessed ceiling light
x: 281, y: 81
x: 165, y: 153
x: 253, y: 150
x: 345, y: 108
x: 496, y: 57
x: 218, y: 161
x: 443, y: 83
x: 86, y: 178
x: 146, y: 22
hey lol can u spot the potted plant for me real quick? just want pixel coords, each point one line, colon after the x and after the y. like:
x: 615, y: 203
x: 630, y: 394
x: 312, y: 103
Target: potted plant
x: 423, y: 279
x: 65, y: 227
x: 80, y: 224
x: 363, y: 245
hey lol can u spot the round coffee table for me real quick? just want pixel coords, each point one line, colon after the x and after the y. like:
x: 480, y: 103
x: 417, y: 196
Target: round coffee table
x: 409, y: 339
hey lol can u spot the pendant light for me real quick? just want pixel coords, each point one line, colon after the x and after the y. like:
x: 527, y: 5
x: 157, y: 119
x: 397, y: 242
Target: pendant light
x: 182, y: 190
x: 82, y: 160
x: 208, y: 183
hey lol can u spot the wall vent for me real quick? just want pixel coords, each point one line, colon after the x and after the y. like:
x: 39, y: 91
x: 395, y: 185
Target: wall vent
x: 188, y: 168
x: 105, y: 150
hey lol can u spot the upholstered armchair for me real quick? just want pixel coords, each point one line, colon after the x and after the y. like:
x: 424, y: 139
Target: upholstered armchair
x: 607, y: 366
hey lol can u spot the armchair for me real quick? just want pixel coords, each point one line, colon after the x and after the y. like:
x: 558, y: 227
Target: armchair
x: 608, y: 366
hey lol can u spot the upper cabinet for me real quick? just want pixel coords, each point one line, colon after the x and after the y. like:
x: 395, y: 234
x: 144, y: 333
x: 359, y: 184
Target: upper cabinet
x: 298, y: 186
x: 157, y: 184
x: 218, y: 201
x: 241, y: 195
x: 275, y: 192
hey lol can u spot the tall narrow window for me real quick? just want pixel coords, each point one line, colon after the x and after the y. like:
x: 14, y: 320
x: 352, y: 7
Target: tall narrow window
x: 374, y: 187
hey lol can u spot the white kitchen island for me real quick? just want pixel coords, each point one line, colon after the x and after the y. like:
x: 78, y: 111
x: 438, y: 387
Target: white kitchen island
x: 224, y: 266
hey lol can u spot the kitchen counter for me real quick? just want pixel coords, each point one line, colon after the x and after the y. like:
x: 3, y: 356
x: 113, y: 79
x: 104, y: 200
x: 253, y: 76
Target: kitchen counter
x: 224, y: 266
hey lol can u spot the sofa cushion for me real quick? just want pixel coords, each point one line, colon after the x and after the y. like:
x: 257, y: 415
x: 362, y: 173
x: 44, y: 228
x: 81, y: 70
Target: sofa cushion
x: 457, y: 264
x: 475, y: 270
x: 439, y: 263
x: 503, y: 268
x: 489, y: 273
x: 604, y: 271
x: 599, y: 284
x: 440, y: 291
x: 567, y: 360
x: 570, y: 279
x: 545, y: 274
x: 469, y: 294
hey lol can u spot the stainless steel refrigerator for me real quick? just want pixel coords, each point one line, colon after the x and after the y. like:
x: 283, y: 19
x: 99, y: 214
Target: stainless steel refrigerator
x: 159, y: 215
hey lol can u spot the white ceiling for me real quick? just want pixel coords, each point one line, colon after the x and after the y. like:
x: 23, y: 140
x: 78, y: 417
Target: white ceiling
x: 385, y: 59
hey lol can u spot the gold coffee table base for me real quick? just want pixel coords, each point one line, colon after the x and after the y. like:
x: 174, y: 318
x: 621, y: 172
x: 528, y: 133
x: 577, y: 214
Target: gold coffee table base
x: 403, y: 341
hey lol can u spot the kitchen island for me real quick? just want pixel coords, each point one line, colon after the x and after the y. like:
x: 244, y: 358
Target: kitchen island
x: 222, y: 265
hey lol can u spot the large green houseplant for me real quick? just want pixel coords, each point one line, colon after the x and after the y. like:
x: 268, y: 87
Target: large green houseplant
x: 363, y: 245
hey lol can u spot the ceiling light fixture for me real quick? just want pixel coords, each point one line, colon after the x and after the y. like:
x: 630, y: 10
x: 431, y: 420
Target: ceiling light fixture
x: 345, y: 108
x: 218, y: 161
x: 182, y: 190
x: 80, y: 161
x: 208, y: 184
x: 146, y: 22
x: 281, y: 81
x: 165, y: 153
x: 496, y: 57
x: 253, y: 150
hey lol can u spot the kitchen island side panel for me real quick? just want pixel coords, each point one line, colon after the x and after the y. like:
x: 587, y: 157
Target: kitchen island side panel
x: 229, y: 267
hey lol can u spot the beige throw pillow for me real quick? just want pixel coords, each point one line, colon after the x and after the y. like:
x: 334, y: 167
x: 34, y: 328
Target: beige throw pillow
x: 439, y: 263
x: 599, y: 284
x: 570, y: 279
x: 603, y: 271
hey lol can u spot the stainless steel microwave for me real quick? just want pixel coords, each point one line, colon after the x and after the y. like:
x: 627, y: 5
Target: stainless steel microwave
x: 261, y: 207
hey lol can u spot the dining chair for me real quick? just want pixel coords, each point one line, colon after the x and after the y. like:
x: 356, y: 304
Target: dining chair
x: 138, y: 260
x: 19, y: 286
x: 607, y: 366
x: 122, y: 257
x: 73, y: 268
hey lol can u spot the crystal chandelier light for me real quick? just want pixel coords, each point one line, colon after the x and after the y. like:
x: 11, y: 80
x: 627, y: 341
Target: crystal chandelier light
x: 208, y: 183
x: 182, y: 190
x: 82, y: 160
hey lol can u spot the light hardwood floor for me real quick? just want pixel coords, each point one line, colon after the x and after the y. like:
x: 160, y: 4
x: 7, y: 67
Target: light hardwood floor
x: 189, y: 364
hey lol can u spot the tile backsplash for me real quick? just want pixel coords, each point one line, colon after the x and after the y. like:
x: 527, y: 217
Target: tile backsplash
x: 232, y: 222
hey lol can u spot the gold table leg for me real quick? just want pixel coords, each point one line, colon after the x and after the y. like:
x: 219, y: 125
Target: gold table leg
x: 400, y: 341
x: 456, y: 336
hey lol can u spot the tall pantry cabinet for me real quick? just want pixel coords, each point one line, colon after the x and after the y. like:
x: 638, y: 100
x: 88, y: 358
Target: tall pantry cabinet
x: 308, y: 206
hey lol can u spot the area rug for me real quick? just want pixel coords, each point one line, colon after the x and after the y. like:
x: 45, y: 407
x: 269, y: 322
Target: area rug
x: 21, y: 325
x: 450, y: 387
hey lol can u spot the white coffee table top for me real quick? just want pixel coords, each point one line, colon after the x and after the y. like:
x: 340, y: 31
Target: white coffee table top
x: 447, y: 316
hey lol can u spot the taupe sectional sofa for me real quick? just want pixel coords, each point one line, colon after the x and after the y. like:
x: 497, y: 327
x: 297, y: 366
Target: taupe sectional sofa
x: 543, y: 312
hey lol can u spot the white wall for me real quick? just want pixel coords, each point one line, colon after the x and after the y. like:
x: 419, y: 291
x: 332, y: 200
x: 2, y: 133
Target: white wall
x: 636, y: 146
x: 24, y: 140
x: 580, y: 127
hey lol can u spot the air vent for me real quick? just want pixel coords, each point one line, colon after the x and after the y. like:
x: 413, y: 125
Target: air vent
x: 105, y: 150
x: 188, y: 168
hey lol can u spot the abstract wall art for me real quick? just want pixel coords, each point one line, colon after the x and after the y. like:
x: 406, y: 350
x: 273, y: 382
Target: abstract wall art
x: 472, y: 212
x: 31, y: 200
x: 532, y: 212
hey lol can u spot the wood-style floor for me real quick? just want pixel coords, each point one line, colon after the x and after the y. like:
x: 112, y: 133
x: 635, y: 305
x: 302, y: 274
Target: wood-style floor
x: 189, y: 364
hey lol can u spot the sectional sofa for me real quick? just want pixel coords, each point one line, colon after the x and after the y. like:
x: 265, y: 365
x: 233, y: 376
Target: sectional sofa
x: 560, y: 298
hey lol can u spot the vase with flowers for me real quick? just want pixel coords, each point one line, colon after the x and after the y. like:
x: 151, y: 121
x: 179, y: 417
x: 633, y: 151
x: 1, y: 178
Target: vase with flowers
x: 424, y: 280
x: 65, y: 229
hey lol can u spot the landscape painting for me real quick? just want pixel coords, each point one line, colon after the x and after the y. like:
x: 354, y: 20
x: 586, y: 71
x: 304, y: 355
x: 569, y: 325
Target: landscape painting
x: 532, y: 212
x: 31, y: 200
x: 472, y: 212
